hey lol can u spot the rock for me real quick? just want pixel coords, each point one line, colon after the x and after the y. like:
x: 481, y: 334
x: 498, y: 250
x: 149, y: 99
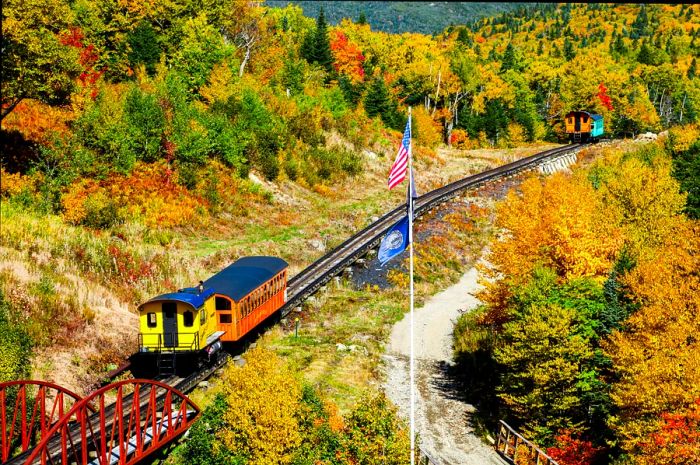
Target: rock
x: 284, y: 321
x: 254, y: 178
x: 647, y: 136
x: 374, y: 219
x: 341, y: 347
x: 369, y: 154
x: 203, y: 384
x: 239, y: 361
x: 317, y: 244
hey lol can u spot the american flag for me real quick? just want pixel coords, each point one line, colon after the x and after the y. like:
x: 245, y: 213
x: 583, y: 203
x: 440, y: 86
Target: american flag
x: 398, y: 169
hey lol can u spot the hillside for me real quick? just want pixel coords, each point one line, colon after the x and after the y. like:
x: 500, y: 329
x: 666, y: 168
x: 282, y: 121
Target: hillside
x: 398, y: 17
x: 144, y: 148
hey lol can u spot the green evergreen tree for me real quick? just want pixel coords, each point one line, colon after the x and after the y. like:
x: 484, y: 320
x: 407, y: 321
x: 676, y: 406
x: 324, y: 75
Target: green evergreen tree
x: 322, y: 45
x: 509, y: 60
x: 143, y: 42
x: 377, y: 98
x: 692, y: 70
x: 316, y: 47
x: 618, y: 305
x: 569, y: 52
x: 620, y: 45
x: 555, y: 52
x: 640, y: 26
x: 686, y: 169
x: 362, y: 19
x: 492, y: 55
x: 464, y: 37
x: 351, y: 92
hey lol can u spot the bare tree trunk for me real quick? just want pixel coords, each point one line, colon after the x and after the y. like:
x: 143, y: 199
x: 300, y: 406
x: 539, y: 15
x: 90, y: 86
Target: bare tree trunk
x: 683, y: 106
x: 6, y: 111
x: 246, y: 57
x: 437, y: 92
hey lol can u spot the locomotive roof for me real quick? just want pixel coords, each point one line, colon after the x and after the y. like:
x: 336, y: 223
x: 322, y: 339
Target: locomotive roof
x: 244, y: 275
x: 593, y: 116
x: 188, y: 296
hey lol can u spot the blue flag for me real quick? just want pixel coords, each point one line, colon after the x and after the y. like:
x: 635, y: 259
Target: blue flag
x: 395, y: 241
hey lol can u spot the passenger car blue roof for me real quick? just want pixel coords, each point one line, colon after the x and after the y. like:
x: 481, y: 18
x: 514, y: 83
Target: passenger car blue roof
x: 244, y: 275
x: 596, y: 117
x: 188, y: 296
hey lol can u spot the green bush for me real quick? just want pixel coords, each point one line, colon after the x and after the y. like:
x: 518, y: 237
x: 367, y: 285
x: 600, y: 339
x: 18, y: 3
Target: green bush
x: 330, y: 163
x: 15, y: 345
x: 202, y: 446
x: 145, y: 124
x: 101, y: 211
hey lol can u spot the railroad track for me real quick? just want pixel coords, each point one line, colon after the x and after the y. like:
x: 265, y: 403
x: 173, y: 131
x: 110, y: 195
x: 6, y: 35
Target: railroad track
x: 309, y: 280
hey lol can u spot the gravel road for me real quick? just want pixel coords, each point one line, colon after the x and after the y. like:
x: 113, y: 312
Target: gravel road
x: 442, y: 418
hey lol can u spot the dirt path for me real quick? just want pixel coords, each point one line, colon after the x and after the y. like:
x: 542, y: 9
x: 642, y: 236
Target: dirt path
x: 442, y: 418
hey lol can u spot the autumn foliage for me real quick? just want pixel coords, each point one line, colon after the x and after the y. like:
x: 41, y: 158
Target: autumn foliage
x: 604, y: 97
x: 571, y: 450
x: 591, y: 312
x: 676, y: 440
x: 347, y: 56
x: 148, y: 193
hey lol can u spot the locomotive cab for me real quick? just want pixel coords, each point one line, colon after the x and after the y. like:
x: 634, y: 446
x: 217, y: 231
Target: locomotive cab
x: 182, y: 321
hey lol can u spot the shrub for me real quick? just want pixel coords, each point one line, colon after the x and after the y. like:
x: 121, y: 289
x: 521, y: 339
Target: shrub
x: 203, y: 446
x: 375, y: 435
x: 327, y: 163
x: 263, y: 398
x: 15, y: 345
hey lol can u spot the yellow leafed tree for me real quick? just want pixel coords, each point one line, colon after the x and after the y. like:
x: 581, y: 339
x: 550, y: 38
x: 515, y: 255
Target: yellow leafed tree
x: 657, y: 355
x: 263, y: 398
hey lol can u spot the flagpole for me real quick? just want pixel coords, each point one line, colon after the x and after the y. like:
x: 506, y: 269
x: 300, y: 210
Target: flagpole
x: 410, y: 242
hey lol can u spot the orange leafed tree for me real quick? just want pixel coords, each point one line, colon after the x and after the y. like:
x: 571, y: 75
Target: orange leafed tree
x: 676, y: 442
x: 347, y: 56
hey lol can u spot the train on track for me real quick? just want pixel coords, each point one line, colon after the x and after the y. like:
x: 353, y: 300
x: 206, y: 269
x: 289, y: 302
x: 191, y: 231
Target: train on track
x: 191, y: 324
x: 582, y: 126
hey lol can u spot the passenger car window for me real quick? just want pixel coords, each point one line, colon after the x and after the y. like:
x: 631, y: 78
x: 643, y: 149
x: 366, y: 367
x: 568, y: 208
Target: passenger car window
x: 152, y: 320
x: 225, y: 318
x: 202, y: 316
x: 223, y: 303
x: 188, y: 319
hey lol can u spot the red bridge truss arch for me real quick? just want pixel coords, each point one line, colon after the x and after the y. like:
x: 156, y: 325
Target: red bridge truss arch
x: 28, y: 410
x: 119, y: 424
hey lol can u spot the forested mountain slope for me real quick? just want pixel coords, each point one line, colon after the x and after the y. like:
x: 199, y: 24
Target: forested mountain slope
x: 147, y: 145
x: 397, y: 17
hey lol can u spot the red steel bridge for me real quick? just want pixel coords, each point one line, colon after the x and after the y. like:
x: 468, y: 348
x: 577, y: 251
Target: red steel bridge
x: 126, y: 421
x: 121, y: 423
